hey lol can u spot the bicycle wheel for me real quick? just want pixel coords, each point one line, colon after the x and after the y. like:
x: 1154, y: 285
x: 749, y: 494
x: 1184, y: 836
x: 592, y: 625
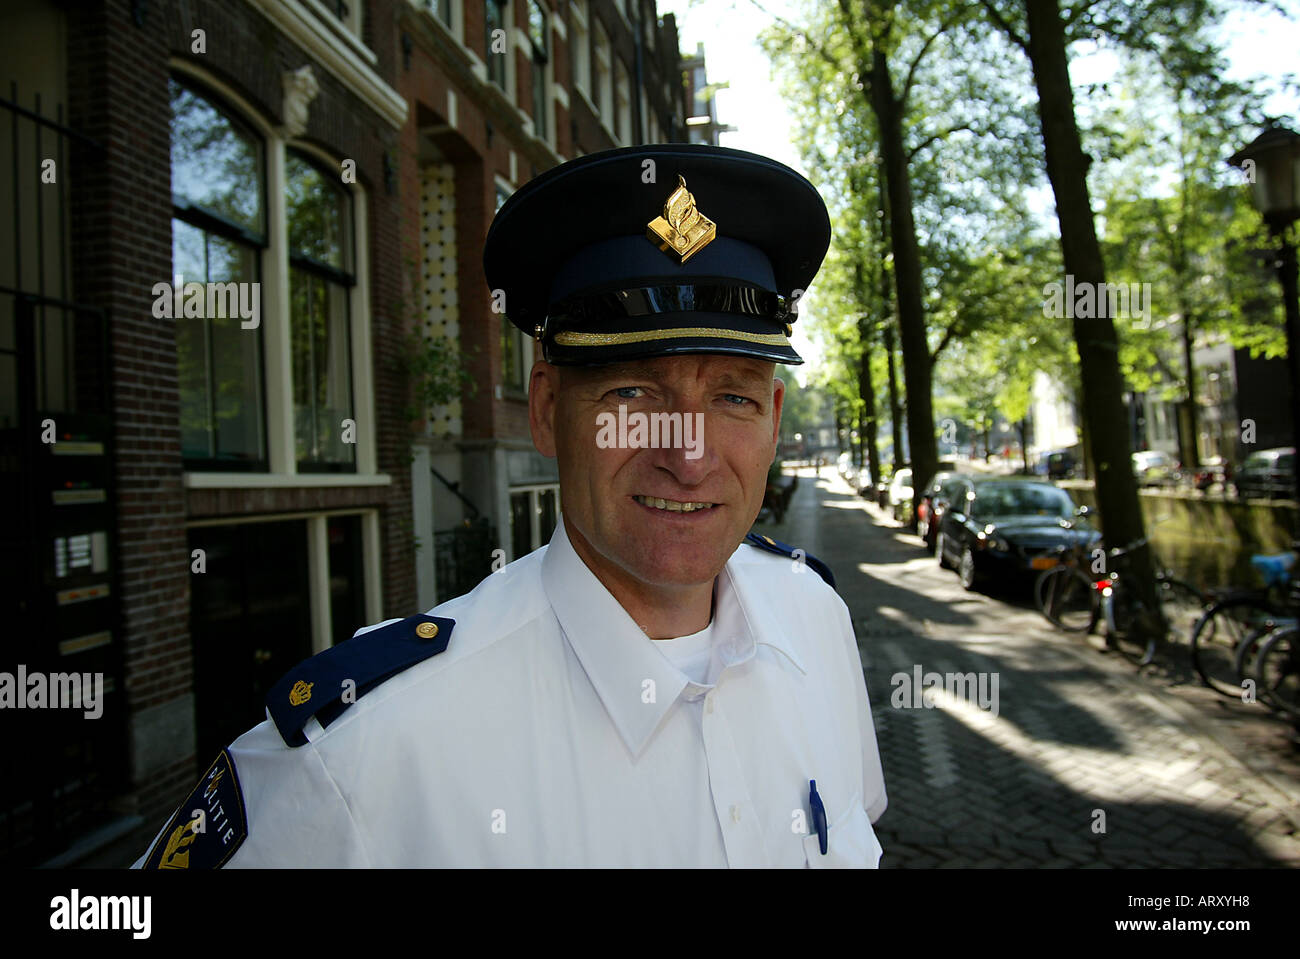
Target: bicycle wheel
x: 1066, y: 598
x: 1182, y: 604
x: 1218, y: 635
x: 1277, y: 670
x: 1124, y: 632
x: 1250, y: 645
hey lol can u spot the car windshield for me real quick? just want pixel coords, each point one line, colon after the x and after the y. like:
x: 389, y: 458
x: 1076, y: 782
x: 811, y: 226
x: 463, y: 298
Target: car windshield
x: 1000, y: 500
x: 1256, y: 461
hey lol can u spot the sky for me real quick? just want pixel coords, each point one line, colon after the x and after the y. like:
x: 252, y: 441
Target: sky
x: 1257, y: 43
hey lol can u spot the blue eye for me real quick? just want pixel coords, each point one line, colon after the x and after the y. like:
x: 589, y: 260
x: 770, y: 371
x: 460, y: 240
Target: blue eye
x: 623, y: 391
x: 733, y: 396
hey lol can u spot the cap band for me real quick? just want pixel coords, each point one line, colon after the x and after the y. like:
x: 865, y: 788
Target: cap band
x: 675, y: 298
x: 649, y: 336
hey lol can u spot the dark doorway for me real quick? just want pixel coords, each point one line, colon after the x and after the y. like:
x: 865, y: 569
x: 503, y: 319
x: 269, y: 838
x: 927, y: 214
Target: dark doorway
x: 250, y: 621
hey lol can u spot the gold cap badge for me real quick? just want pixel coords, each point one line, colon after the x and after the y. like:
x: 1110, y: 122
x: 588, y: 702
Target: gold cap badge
x: 300, y: 693
x: 682, y: 229
x: 426, y: 630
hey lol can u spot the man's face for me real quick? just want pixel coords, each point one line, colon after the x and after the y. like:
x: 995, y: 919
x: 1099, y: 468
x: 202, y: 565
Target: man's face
x: 609, y: 493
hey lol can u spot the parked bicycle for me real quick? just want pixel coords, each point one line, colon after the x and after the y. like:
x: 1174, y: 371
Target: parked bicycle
x: 1231, y: 633
x: 1134, y: 630
x: 1066, y: 595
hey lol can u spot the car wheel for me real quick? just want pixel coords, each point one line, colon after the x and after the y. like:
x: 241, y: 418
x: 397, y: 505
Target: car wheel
x: 966, y: 569
x: 940, y: 546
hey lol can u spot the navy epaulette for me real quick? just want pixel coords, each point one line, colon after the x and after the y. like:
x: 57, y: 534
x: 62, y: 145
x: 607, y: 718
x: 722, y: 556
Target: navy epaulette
x: 781, y: 549
x: 331, y: 681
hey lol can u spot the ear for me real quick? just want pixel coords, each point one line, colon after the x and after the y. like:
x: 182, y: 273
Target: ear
x: 543, y: 391
x: 778, y: 400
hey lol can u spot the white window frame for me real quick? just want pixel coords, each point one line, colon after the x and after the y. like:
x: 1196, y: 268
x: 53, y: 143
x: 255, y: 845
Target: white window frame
x: 318, y: 582
x: 277, y: 354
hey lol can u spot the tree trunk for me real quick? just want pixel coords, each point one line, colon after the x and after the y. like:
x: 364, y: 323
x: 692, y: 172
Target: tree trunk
x: 895, y: 411
x: 1189, y: 455
x: 1103, y: 384
x: 907, y: 278
x: 867, y: 390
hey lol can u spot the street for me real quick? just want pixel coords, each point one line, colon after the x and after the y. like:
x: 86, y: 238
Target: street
x: 1077, y: 762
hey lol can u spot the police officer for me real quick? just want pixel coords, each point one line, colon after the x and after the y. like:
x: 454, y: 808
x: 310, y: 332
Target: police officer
x: 652, y: 688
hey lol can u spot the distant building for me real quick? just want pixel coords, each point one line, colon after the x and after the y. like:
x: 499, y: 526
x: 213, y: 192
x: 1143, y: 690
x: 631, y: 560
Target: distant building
x: 702, y: 122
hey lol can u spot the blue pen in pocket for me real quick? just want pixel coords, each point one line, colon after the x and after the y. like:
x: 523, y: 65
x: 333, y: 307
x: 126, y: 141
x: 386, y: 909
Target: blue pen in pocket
x: 818, y: 814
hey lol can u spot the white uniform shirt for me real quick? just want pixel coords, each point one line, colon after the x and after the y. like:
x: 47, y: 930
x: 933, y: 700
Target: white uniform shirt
x: 551, y: 732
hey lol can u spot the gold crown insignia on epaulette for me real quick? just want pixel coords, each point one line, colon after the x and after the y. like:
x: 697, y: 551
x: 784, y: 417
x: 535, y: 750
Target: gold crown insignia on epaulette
x: 300, y: 693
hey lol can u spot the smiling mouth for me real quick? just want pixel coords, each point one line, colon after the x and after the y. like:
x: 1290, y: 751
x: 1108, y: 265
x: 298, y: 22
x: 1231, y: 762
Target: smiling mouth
x: 672, y: 505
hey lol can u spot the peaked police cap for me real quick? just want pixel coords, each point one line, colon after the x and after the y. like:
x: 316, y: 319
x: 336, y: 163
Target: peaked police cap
x: 657, y: 250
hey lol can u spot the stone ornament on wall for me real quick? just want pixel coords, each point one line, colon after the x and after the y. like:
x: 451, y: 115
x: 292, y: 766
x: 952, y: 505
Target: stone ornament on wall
x: 300, y: 88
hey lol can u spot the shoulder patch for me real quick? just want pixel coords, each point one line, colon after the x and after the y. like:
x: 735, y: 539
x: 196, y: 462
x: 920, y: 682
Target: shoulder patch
x: 331, y: 681
x: 782, y: 549
x: 208, y: 826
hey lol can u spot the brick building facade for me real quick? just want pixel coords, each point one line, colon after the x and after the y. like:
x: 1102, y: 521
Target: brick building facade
x: 266, y: 484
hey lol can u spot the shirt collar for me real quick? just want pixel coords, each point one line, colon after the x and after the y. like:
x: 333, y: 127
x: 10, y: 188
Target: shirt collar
x: 618, y: 656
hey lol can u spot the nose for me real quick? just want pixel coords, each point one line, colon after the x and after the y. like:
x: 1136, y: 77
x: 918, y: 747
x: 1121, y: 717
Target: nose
x: 686, y: 452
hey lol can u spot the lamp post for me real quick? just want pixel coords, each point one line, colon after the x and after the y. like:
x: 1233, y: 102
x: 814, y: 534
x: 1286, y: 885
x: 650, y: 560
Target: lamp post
x: 1272, y: 164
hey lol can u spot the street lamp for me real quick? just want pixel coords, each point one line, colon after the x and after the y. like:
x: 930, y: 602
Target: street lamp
x: 1272, y: 164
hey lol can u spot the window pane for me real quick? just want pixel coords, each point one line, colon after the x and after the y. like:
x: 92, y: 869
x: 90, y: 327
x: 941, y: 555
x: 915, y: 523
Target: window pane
x: 236, y: 359
x: 521, y: 528
x: 322, y: 373
x: 219, y: 363
x: 215, y: 164
x: 192, y: 357
x: 537, y: 26
x: 494, y: 15
x: 547, y: 508
x: 318, y: 215
x: 347, y: 577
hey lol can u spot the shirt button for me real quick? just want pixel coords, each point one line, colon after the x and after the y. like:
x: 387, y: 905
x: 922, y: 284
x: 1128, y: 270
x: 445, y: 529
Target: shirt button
x: 735, y: 813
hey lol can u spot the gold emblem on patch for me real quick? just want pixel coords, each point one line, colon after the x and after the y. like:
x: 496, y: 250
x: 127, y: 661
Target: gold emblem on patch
x: 300, y: 693
x: 176, y: 854
x: 426, y: 630
x: 682, y: 229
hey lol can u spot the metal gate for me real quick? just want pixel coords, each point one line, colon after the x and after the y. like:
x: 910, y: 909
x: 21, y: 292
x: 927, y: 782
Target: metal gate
x: 62, y: 746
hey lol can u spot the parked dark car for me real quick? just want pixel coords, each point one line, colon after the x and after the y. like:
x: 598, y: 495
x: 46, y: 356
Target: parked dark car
x: 1061, y: 464
x: 1008, y: 527
x: 1267, y: 474
x: 934, y: 501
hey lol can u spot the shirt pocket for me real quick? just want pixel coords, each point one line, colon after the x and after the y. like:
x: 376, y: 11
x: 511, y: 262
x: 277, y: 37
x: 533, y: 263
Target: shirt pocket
x: 850, y: 842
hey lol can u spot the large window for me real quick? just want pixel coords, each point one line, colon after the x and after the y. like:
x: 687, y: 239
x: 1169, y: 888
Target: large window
x: 538, y: 39
x: 262, y: 389
x: 218, y: 233
x: 319, y: 220
x: 494, y: 15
